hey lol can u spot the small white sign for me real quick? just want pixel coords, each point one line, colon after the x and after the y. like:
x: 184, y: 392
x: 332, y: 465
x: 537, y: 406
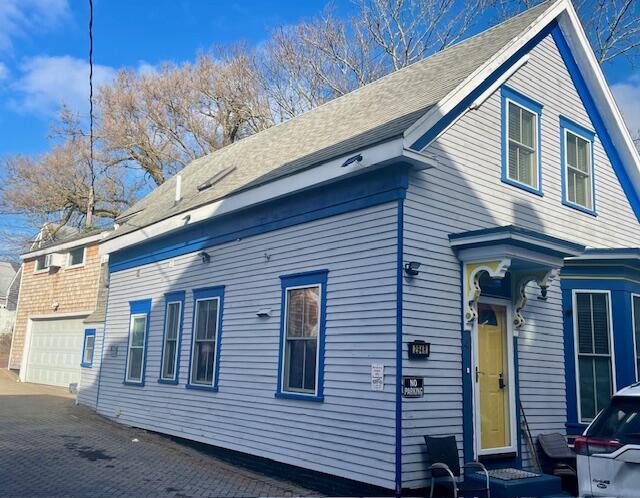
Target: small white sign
x: 377, y: 377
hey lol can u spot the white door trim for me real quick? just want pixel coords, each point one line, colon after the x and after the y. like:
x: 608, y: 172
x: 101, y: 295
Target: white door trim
x: 513, y: 447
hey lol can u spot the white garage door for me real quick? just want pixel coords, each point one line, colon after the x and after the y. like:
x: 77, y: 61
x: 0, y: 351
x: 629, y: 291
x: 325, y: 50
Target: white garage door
x: 55, y: 351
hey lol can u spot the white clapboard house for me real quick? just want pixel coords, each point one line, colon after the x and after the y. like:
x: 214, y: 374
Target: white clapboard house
x: 478, y: 208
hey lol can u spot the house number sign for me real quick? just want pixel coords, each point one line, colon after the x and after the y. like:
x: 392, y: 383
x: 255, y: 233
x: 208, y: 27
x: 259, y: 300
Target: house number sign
x: 419, y: 350
x: 412, y: 387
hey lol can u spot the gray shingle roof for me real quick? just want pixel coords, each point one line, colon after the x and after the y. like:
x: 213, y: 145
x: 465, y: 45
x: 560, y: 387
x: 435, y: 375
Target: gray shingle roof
x: 379, y: 111
x: 52, y: 235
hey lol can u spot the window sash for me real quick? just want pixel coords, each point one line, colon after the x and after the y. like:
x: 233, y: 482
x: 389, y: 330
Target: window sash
x: 595, y: 381
x: 73, y: 254
x: 204, y: 348
x: 134, y: 349
x: 306, y: 338
x: 41, y: 263
x: 89, y: 346
x: 526, y: 174
x: 170, y: 346
x: 579, y: 181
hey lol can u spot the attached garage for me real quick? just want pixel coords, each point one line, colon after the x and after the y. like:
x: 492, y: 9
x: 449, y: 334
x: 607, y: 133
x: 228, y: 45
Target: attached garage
x: 55, y: 351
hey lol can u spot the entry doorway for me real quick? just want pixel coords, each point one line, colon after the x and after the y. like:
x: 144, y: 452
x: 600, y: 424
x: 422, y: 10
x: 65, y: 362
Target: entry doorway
x: 494, y: 386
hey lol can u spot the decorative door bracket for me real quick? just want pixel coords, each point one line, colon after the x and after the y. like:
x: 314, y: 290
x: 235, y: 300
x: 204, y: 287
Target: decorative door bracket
x: 542, y: 278
x: 472, y: 291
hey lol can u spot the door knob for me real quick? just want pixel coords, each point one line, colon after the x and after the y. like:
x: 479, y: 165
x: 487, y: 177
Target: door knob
x: 501, y: 383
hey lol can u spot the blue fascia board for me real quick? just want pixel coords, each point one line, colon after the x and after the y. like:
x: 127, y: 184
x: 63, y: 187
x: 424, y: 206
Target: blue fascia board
x: 88, y: 333
x: 315, y: 277
x: 596, y: 120
x: 207, y: 293
x: 464, y: 104
x: 378, y: 187
x: 172, y: 297
x: 613, y: 251
x: 507, y: 93
x: 589, y: 136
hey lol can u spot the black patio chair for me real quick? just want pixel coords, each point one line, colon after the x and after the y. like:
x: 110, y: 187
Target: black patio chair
x: 559, y: 460
x: 443, y: 460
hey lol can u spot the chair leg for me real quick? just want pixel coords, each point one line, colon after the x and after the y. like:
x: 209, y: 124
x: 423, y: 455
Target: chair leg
x: 432, y: 485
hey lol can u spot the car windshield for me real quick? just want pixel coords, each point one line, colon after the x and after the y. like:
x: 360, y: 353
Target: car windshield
x: 620, y: 420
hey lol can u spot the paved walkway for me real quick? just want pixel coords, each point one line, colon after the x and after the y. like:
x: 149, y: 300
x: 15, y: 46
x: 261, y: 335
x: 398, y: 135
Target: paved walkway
x: 51, y: 447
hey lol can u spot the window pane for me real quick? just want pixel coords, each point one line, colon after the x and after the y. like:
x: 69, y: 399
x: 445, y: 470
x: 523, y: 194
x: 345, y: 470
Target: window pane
x: 514, y: 122
x: 528, y: 130
x: 587, y: 388
x: 203, y: 363
x: 311, y: 307
x: 571, y: 150
x: 135, y: 364
x: 526, y: 167
x: 88, y: 348
x: 513, y: 161
x: 76, y: 256
x: 137, y: 331
x: 310, y: 365
x: 603, y: 382
x: 600, y: 323
x: 40, y: 260
x: 169, y: 360
x: 582, y: 155
x: 207, y: 319
x: 173, y: 320
x: 295, y: 369
x: 620, y: 420
x: 295, y: 312
x: 585, y: 335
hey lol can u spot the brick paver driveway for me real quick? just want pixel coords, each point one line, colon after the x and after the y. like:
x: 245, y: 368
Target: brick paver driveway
x: 51, y: 447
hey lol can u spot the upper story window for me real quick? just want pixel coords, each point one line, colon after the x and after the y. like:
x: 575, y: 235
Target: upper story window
x: 594, y: 352
x: 137, y: 347
x: 76, y: 256
x: 521, y: 164
x: 578, y: 190
x: 302, y: 343
x: 41, y: 263
x: 205, y: 340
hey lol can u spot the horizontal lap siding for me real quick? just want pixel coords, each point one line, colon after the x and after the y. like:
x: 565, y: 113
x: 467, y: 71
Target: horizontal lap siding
x: 351, y: 433
x: 464, y: 192
x: 88, y: 385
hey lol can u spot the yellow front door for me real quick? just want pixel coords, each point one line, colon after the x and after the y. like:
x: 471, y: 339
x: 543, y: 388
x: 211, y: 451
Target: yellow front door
x: 492, y: 376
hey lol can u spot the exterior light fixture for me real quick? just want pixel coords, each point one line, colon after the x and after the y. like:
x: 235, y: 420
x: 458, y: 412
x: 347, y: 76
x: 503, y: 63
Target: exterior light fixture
x: 351, y: 160
x: 411, y: 268
x: 205, y: 257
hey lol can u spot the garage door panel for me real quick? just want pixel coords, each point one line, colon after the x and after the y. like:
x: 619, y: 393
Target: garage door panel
x: 55, y: 351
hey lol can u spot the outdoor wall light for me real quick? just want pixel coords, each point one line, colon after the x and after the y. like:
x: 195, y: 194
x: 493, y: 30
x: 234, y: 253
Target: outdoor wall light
x: 205, y: 257
x: 411, y: 268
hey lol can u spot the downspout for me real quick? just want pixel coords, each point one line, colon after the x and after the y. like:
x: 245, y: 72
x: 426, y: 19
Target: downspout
x: 399, y: 285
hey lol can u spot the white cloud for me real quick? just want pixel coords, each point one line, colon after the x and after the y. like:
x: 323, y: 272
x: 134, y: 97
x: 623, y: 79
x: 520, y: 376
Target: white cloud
x: 48, y: 82
x: 19, y: 18
x: 627, y: 95
x: 4, y: 72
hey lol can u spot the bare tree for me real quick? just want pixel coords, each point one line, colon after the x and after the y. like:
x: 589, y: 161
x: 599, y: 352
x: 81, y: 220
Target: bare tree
x: 612, y: 26
x: 315, y: 61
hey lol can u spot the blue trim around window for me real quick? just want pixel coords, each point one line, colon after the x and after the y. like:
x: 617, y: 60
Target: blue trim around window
x: 588, y: 135
x: 198, y: 294
x: 141, y: 307
x: 172, y: 297
x: 318, y: 277
x: 88, y: 333
x: 531, y: 105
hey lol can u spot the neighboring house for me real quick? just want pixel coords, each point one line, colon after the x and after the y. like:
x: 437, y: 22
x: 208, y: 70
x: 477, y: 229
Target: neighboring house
x: 267, y: 299
x: 59, y: 290
x: 10, y: 274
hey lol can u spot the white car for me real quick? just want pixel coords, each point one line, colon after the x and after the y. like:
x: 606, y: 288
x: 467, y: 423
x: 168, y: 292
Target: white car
x: 608, y: 453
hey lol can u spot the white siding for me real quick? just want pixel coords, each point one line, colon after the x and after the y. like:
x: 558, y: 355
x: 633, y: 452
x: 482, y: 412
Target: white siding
x: 351, y: 433
x: 464, y: 193
x: 88, y: 385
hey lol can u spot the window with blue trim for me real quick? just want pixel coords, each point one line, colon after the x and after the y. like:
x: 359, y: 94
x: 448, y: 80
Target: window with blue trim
x: 174, y: 304
x: 205, y: 340
x: 521, y: 164
x: 302, y: 335
x: 578, y: 187
x: 88, y: 348
x: 137, y: 347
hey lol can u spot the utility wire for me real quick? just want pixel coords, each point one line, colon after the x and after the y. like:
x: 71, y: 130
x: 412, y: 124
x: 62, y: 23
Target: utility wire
x: 90, y: 206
